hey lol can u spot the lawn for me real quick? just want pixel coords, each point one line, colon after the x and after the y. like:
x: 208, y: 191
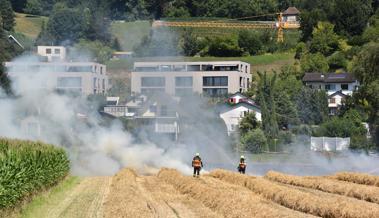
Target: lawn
x: 258, y: 62
x: 130, y: 34
x: 29, y: 25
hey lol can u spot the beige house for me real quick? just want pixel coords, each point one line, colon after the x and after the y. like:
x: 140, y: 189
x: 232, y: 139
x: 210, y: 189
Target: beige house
x: 216, y: 78
x: 80, y: 77
x: 53, y: 53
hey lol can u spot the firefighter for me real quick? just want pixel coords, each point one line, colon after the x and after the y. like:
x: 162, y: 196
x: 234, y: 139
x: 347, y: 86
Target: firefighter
x: 242, y: 165
x: 197, y: 164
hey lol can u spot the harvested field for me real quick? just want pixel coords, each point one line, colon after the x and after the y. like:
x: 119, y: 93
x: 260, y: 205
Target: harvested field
x: 220, y: 193
x: 228, y: 200
x: 324, y: 206
x: 359, y: 178
x: 358, y: 191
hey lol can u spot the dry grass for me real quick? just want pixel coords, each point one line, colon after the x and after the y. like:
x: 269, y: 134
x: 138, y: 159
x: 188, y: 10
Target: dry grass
x: 124, y: 200
x: 228, y: 200
x: 361, y: 192
x: 360, y: 178
x: 324, y: 206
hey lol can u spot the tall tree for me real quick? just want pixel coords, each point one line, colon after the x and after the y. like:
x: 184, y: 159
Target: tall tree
x: 7, y: 15
x: 351, y: 16
x: 324, y: 40
x: 266, y: 89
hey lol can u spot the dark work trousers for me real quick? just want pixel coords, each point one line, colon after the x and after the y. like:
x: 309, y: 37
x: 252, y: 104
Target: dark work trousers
x: 196, y: 170
x: 241, y: 170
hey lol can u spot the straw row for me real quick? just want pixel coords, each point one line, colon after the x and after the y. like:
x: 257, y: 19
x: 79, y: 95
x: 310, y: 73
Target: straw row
x: 227, y: 200
x: 124, y: 198
x: 324, y: 206
x: 359, y: 178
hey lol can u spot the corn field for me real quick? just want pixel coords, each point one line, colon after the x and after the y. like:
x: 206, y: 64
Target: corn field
x: 27, y: 167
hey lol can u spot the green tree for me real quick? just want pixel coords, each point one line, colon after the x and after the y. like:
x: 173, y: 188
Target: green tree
x: 33, y: 7
x: 324, y: 40
x: 249, y: 42
x: 254, y: 141
x: 190, y: 44
x: 96, y: 49
x: 337, y: 61
x: 223, y: 47
x: 314, y: 63
x: 266, y: 92
x: 371, y: 33
x: 7, y: 15
x: 286, y: 110
x: 248, y: 123
x: 312, y: 106
x: 351, y: 16
x: 308, y: 20
x: 136, y: 9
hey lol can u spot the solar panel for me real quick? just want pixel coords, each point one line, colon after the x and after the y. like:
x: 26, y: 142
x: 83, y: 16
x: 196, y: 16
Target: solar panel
x: 337, y: 76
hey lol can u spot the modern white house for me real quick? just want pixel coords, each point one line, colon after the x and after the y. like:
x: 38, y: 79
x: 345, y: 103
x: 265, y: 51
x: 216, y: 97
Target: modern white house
x: 236, y: 108
x: 216, y: 78
x: 337, y: 86
x: 84, y: 78
x: 52, y: 53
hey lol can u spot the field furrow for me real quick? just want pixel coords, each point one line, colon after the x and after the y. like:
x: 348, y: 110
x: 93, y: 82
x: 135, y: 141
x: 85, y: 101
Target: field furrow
x: 362, y: 192
x: 359, y: 178
x: 325, y: 206
x: 228, y: 200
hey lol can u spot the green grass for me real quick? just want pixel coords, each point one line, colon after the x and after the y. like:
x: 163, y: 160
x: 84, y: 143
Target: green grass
x: 37, y: 207
x: 29, y: 25
x: 130, y: 34
x: 258, y: 62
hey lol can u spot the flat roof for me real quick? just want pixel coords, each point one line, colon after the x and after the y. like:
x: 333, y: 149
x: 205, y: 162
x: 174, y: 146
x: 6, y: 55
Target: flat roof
x: 16, y: 63
x: 219, y: 63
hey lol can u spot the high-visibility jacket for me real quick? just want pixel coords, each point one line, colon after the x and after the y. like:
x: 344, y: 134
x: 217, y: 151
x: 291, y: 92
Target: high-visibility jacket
x: 196, y: 162
x: 242, y: 165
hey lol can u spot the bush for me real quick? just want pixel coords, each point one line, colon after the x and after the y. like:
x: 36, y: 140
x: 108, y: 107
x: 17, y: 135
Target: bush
x: 27, y: 167
x: 224, y: 47
x: 254, y: 141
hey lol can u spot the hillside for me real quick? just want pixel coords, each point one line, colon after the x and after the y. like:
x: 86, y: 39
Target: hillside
x: 29, y: 25
x: 217, y: 194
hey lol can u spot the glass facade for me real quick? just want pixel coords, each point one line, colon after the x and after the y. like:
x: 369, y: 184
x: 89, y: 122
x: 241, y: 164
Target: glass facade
x: 183, y: 81
x: 153, y: 81
x: 215, y: 81
x: 215, y: 92
x: 63, y: 82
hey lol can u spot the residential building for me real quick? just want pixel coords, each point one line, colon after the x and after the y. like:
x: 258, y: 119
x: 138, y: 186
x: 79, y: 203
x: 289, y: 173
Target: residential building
x: 337, y: 86
x: 217, y: 78
x: 79, y: 77
x: 332, y: 82
x: 52, y: 53
x: 236, y: 108
x: 291, y: 15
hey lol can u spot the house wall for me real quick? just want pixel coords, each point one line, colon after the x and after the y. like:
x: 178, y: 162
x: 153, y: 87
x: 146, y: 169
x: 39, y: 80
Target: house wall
x: 233, y: 117
x: 336, y: 87
x: 93, y: 80
x: 234, y: 82
x: 58, y: 52
x: 338, y: 101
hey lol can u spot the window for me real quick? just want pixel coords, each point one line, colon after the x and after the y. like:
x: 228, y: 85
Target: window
x: 103, y: 83
x: 48, y: 51
x: 215, y: 81
x: 67, y: 82
x: 206, y: 67
x: 94, y: 82
x: 146, y: 69
x: 193, y: 68
x: 80, y: 69
x: 165, y: 68
x: 345, y: 86
x: 332, y: 101
x: 153, y: 81
x: 179, y: 68
x: 215, y: 92
x: 181, y: 92
x: 152, y: 91
x: 183, y: 81
x: 57, y: 51
x: 164, y: 110
x: 330, y: 87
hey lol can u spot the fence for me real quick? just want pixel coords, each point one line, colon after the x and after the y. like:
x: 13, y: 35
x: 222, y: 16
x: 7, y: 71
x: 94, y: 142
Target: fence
x: 329, y: 144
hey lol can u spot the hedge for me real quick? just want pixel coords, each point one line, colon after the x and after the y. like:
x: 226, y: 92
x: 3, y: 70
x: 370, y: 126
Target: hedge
x: 27, y: 167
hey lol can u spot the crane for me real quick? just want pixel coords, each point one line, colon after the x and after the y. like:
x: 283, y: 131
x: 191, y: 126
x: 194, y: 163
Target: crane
x: 280, y: 24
